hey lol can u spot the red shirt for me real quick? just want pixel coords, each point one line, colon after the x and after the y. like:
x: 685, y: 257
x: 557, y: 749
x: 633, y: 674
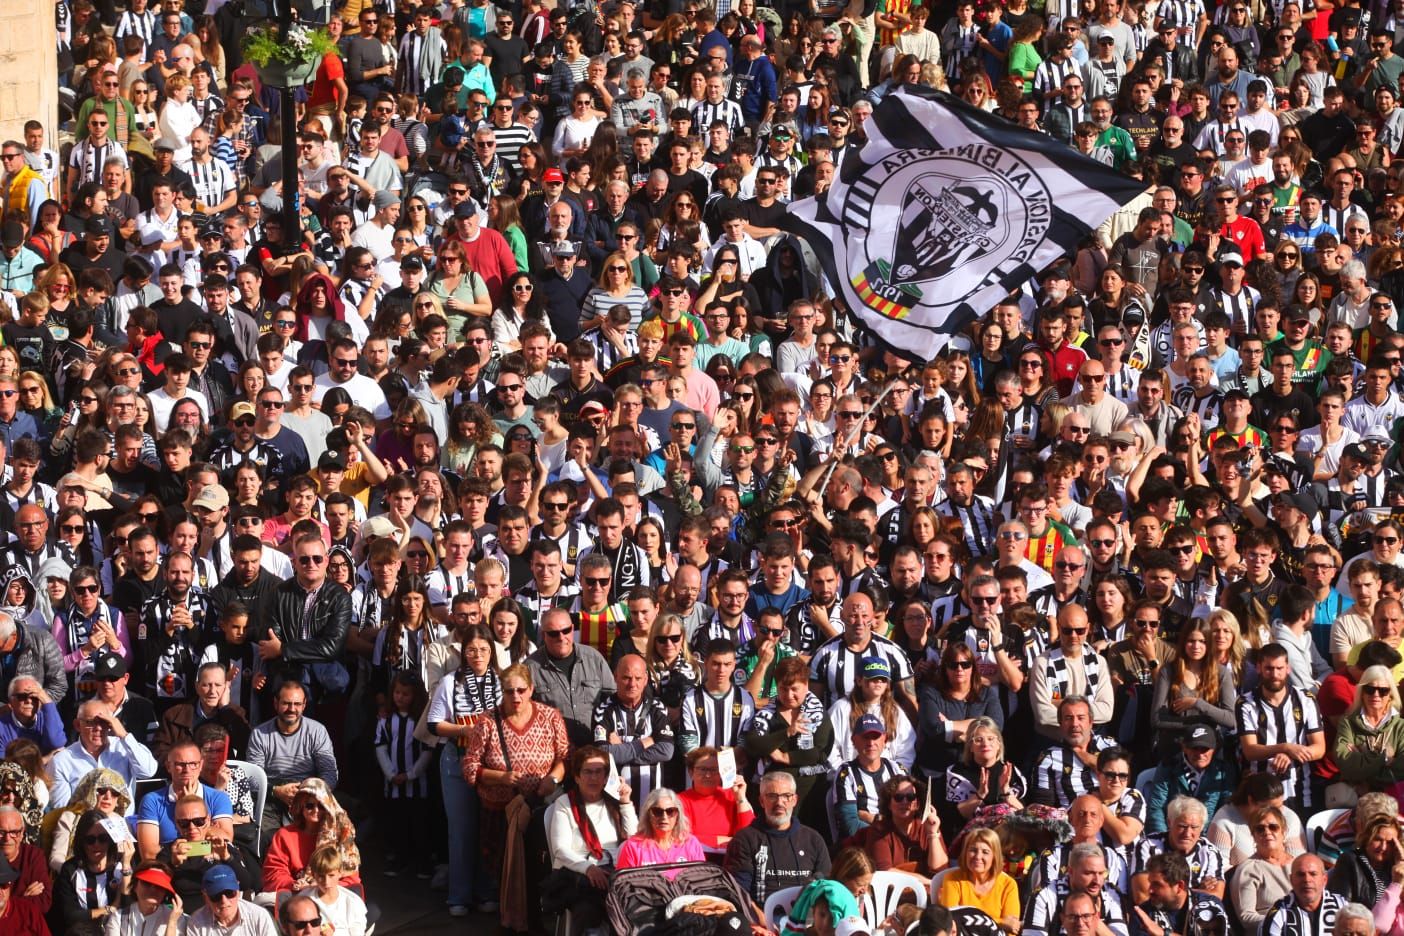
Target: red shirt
x: 1063, y: 365
x: 1247, y: 237
x: 324, y: 87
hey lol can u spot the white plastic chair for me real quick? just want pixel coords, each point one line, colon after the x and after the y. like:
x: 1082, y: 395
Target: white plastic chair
x: 777, y: 906
x: 259, y: 779
x: 936, y: 881
x: 885, y: 891
x: 1317, y: 825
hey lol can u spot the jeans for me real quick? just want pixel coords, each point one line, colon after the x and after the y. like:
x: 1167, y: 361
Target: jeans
x: 468, y: 880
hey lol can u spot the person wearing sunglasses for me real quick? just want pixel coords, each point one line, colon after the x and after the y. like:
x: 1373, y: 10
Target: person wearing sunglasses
x: 664, y: 836
x: 215, y: 888
x: 309, y: 636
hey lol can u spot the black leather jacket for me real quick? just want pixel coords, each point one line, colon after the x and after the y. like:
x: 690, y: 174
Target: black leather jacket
x: 331, y: 619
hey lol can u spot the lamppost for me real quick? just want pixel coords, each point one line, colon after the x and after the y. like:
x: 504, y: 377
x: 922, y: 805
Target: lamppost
x: 286, y: 77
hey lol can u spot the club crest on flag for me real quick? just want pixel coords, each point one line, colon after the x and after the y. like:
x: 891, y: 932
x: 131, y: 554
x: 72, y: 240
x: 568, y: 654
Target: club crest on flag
x: 944, y: 211
x: 954, y: 222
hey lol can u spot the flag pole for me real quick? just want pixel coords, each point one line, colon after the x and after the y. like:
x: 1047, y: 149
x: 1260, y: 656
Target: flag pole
x: 829, y: 476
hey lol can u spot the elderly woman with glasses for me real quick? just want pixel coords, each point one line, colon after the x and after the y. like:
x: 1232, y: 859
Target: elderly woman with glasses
x: 1265, y: 878
x: 100, y: 790
x: 664, y: 836
x: 1370, y: 738
x: 585, y: 832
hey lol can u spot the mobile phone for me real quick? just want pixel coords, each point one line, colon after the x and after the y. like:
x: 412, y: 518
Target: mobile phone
x: 197, y: 849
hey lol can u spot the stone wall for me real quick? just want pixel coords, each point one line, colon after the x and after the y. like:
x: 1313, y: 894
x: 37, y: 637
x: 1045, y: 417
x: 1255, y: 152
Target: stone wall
x: 28, y: 68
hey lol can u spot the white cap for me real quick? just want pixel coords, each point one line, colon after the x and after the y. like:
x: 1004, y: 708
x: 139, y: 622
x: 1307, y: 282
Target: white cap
x: 852, y: 926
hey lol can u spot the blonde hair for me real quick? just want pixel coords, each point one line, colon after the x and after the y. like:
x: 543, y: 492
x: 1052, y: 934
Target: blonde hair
x: 991, y: 840
x: 1375, y: 674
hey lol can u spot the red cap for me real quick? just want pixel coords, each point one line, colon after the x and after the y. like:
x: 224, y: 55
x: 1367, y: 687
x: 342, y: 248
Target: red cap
x: 156, y: 878
x: 553, y: 175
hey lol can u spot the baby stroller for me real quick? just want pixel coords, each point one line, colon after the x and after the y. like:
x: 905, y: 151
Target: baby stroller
x: 655, y: 901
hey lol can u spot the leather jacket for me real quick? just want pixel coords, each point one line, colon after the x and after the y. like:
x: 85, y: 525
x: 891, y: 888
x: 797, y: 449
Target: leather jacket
x: 331, y: 619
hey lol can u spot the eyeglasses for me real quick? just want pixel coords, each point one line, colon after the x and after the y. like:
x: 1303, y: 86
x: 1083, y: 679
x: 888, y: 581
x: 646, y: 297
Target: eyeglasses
x: 1116, y: 775
x: 1074, y: 631
x: 1145, y: 624
x: 680, y: 426
x: 315, y: 559
x: 597, y: 582
x: 1069, y: 566
x: 313, y: 924
x: 960, y: 664
x: 668, y: 638
x: 272, y: 404
x: 1380, y: 691
x: 564, y: 632
x: 416, y: 554
x: 96, y: 840
x: 193, y: 822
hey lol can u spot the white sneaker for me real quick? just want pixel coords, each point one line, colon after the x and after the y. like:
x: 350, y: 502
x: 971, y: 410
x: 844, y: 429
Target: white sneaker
x: 458, y: 911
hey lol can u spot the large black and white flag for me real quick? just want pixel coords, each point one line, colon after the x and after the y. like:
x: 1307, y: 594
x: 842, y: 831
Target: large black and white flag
x: 945, y: 211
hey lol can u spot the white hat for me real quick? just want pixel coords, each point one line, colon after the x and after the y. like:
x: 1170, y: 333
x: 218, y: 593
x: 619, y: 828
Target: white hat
x: 852, y: 926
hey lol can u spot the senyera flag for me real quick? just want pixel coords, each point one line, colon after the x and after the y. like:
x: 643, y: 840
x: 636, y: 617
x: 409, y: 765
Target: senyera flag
x: 945, y: 211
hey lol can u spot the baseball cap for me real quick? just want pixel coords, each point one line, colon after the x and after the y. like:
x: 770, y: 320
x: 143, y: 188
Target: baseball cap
x: 412, y: 263
x: 109, y: 667
x: 563, y: 249
x: 1123, y: 436
x: 869, y: 724
x: 379, y: 525
x: 1355, y: 450
x: 876, y: 668
x: 1202, y: 737
x: 1237, y: 393
x: 96, y: 227
x: 553, y: 175
x: 465, y: 210
x: 1133, y: 315
x: 240, y: 409
x: 12, y: 235
x: 594, y: 407
x: 853, y: 926
x: 1231, y: 258
x: 151, y: 236
x: 332, y: 458
x: 211, y: 497
x: 218, y: 879
x: 782, y: 132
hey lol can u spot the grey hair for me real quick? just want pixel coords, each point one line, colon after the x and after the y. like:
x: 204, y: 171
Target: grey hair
x: 1185, y: 807
x: 7, y: 627
x: 20, y: 681
x: 1353, y: 269
x: 1084, y: 850
x: 664, y: 796
x: 779, y: 776
x: 1353, y: 911
x: 636, y: 74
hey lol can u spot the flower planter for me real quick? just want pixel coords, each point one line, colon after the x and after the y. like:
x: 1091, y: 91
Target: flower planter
x: 281, y: 75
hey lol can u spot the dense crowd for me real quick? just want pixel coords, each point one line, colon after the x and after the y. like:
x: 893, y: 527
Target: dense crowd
x: 532, y: 513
